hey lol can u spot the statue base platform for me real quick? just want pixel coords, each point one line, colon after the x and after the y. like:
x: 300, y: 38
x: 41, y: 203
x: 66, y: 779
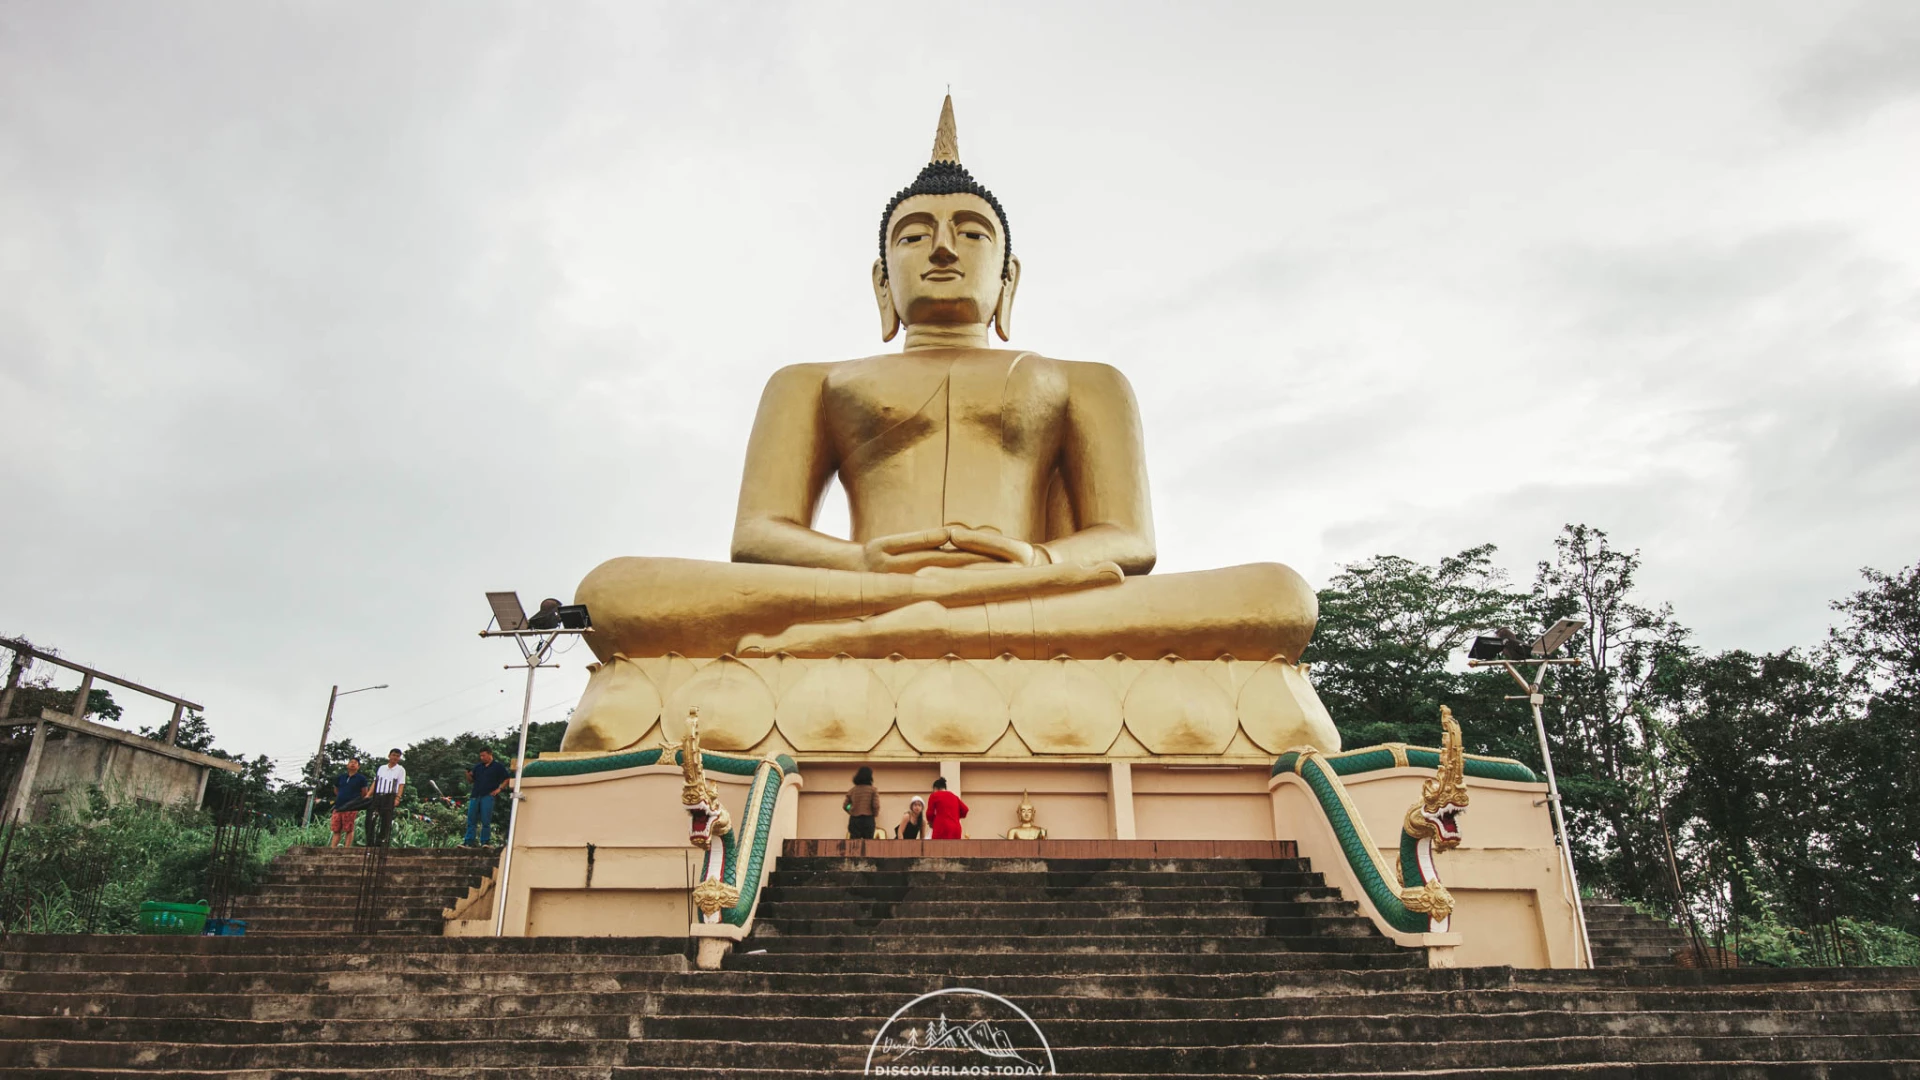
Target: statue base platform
x: 1042, y: 849
x: 1224, y: 711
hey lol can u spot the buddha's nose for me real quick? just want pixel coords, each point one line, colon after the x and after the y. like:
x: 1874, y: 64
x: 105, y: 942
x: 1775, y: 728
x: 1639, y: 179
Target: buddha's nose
x: 943, y: 253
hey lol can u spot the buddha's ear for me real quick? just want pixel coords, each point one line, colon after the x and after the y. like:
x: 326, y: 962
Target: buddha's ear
x: 1003, y: 311
x: 889, y: 318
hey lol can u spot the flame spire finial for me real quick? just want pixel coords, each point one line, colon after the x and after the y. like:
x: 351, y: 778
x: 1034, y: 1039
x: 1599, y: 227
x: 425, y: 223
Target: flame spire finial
x: 946, y: 139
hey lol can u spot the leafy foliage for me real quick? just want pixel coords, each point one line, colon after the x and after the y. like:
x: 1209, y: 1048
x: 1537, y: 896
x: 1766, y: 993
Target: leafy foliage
x: 1786, y: 785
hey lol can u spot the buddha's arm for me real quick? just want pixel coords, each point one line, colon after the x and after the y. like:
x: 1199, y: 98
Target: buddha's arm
x: 789, y: 460
x: 1104, y: 463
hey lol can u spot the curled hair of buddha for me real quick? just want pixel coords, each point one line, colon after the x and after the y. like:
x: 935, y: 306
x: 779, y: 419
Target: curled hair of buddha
x: 949, y: 178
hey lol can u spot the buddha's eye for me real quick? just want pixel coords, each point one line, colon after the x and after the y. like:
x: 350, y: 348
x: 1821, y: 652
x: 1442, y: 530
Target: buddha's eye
x: 914, y: 239
x: 974, y: 235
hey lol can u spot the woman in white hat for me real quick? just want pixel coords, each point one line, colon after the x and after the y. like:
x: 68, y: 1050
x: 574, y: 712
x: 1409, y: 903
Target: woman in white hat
x: 913, y: 823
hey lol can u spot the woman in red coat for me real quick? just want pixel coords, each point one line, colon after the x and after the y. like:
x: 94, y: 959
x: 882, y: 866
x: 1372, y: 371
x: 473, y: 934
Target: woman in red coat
x: 944, y: 811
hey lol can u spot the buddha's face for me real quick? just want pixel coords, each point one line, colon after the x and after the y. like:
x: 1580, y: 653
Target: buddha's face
x: 944, y: 259
x: 1026, y: 815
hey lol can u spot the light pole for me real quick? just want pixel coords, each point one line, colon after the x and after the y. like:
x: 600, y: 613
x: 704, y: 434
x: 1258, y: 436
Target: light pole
x: 325, y: 729
x: 1508, y: 652
x: 536, y: 644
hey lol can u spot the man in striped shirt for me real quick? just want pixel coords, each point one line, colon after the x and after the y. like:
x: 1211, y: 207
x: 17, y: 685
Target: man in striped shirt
x: 388, y: 782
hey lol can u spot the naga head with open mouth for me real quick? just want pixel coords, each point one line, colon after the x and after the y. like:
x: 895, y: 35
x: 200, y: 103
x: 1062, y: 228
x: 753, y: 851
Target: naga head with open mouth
x: 706, y: 818
x: 1443, y: 798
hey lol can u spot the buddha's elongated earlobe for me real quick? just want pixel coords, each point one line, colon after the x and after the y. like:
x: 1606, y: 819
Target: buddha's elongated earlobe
x: 1003, y: 311
x: 889, y: 318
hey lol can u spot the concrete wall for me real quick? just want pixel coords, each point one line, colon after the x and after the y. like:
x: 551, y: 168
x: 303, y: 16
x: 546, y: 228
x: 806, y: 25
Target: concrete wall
x: 637, y: 879
x: 1506, y: 877
x: 73, y: 763
x: 1095, y: 800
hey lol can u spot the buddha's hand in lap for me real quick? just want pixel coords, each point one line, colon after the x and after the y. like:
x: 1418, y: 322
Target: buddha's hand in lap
x: 966, y: 586
x: 907, y: 553
x: 1000, y: 550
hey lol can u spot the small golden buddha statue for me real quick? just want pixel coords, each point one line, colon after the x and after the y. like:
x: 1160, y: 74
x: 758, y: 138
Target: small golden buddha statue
x: 998, y: 497
x: 1026, y: 830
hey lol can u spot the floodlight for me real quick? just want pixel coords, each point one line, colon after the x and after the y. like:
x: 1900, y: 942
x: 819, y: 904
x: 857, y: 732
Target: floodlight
x: 1502, y: 644
x: 1557, y: 636
x: 507, y: 611
x: 1486, y: 647
x: 575, y: 617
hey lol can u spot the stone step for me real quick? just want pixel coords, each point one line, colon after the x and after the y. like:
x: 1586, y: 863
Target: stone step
x: 416, y: 921
x: 1348, y: 993
x: 1103, y: 944
x: 1205, y: 1032
x: 970, y: 910
x: 1176, y: 1060
x: 1190, y: 1031
x: 178, y: 945
x: 850, y: 923
x: 1320, y: 1058
x: 336, y: 892
x: 1000, y: 879
x: 968, y: 965
x: 1056, y: 865
x: 369, y: 981
x: 250, y: 908
x: 323, y: 963
x: 408, y: 879
x: 1038, y: 892
x: 1702, y: 1070
x: 87, y: 1054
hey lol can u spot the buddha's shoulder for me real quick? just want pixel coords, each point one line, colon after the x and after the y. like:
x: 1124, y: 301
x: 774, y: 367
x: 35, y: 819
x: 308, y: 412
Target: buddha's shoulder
x: 818, y: 376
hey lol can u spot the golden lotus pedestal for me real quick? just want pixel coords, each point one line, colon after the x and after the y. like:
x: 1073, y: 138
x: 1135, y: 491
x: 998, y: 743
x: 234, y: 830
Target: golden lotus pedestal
x: 1108, y: 747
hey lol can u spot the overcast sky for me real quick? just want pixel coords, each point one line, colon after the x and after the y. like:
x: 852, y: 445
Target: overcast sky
x: 319, y: 320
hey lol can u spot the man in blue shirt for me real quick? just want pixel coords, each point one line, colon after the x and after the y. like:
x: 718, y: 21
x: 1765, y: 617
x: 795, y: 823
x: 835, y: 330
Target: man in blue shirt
x: 348, y: 789
x: 488, y: 778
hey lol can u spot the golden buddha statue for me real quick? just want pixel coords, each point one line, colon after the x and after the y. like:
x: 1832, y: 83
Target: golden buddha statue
x: 1026, y: 830
x: 998, y: 497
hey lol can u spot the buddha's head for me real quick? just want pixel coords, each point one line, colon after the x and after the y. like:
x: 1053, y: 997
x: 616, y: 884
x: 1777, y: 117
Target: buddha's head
x: 1026, y: 810
x: 946, y: 257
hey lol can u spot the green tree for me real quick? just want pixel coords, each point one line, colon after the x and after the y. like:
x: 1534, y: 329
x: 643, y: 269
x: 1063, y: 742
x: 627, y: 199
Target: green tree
x: 1871, y: 758
x: 1383, y: 655
x: 1596, y: 720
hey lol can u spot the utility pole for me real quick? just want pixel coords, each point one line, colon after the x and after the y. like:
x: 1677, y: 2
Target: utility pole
x: 326, y: 728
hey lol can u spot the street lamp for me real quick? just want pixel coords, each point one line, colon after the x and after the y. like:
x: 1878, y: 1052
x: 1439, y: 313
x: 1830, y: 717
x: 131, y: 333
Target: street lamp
x: 1504, y: 648
x: 536, y: 645
x: 325, y: 728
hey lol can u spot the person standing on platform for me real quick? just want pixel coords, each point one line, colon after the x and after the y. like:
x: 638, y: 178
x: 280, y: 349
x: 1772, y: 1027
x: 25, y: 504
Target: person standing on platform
x: 944, y: 811
x: 348, y: 789
x: 389, y: 781
x: 486, y: 778
x: 862, y: 805
x: 913, y: 823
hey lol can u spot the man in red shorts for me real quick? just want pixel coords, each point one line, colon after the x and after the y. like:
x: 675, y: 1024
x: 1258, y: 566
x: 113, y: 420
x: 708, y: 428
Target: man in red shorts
x: 348, y: 789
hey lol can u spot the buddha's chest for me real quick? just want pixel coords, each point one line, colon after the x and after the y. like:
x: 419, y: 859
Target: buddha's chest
x: 1003, y: 404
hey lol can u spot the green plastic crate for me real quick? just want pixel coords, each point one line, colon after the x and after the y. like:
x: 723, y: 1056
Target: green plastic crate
x: 159, y: 918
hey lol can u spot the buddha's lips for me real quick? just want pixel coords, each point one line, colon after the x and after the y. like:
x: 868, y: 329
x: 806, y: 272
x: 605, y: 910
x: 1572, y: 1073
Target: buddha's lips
x: 942, y: 275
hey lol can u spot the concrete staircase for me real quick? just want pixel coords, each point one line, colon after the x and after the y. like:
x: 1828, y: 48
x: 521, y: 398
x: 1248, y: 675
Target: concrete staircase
x: 1164, y: 968
x: 1623, y: 937
x: 316, y: 890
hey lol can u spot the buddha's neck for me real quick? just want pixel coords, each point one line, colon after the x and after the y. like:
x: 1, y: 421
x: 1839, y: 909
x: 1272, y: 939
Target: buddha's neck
x: 970, y: 336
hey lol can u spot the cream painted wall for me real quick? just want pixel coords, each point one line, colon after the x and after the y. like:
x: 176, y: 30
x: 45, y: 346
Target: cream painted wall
x: 1506, y: 876
x: 608, y: 913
